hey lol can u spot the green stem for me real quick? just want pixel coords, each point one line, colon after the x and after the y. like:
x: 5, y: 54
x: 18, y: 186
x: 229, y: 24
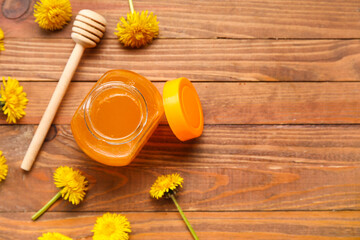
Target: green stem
x: 131, y: 6
x: 184, y: 217
x: 44, y: 208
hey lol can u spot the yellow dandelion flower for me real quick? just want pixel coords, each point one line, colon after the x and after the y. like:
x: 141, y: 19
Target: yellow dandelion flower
x: 165, y: 184
x: 52, y: 14
x: 3, y: 167
x: 73, y: 188
x: 73, y: 184
x: 13, y: 100
x: 2, y: 48
x: 53, y: 236
x: 137, y: 30
x: 112, y: 227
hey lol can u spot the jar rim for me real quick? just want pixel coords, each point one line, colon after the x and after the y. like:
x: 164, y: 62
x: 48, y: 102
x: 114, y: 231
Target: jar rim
x: 128, y: 89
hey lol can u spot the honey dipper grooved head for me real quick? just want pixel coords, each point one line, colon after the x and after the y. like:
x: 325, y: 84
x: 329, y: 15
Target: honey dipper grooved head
x: 88, y: 28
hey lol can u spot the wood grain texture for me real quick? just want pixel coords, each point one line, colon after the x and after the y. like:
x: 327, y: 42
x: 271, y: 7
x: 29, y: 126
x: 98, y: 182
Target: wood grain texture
x: 199, y: 60
x: 12, y: 9
x: 244, y: 178
x: 230, y: 103
x: 216, y: 18
x: 230, y: 168
x: 208, y: 225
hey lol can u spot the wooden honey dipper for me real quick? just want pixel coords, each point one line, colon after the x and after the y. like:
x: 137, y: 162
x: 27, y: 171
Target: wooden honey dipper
x: 88, y: 29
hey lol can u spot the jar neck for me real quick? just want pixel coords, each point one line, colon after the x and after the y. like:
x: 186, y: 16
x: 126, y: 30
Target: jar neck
x: 115, y: 113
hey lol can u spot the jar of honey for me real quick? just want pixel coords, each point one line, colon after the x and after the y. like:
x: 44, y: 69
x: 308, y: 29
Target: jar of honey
x: 123, y: 109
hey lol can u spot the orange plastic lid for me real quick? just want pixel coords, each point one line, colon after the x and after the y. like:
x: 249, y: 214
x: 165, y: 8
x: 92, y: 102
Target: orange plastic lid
x: 183, y: 109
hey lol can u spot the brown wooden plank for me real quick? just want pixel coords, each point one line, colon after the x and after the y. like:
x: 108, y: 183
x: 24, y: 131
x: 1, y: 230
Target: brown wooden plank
x: 198, y: 60
x: 231, y: 103
x: 208, y: 225
x: 230, y: 168
x: 215, y: 18
x: 317, y: 146
x: 13, y: 9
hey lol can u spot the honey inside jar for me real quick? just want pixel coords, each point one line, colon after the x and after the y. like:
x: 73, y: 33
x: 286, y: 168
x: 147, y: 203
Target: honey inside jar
x: 117, y: 117
x: 115, y: 113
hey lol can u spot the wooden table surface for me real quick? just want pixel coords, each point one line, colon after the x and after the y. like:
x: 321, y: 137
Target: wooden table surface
x: 279, y: 158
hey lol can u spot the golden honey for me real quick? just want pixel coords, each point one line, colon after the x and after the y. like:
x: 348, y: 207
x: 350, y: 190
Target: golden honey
x: 117, y: 117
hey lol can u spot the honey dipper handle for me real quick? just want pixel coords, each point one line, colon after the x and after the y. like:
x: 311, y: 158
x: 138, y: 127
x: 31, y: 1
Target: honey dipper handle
x: 52, y: 108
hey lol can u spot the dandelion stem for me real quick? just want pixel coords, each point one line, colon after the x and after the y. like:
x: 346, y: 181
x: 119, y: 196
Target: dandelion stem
x: 184, y: 217
x: 44, y: 208
x: 131, y: 6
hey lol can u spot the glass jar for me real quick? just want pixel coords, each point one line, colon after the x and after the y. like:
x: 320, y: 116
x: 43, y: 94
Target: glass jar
x: 123, y: 109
